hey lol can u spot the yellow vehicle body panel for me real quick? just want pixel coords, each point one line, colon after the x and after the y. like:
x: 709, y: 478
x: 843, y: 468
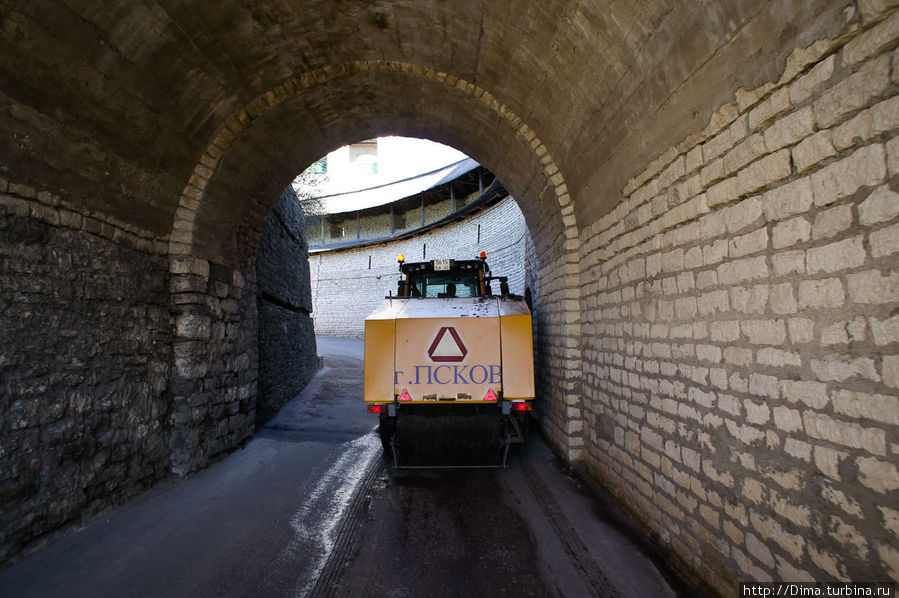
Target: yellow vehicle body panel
x: 455, y: 359
x: 380, y: 330
x: 517, y: 356
x: 448, y: 350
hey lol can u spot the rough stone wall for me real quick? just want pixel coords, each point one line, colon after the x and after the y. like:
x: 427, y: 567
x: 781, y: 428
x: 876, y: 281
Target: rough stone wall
x: 287, y: 351
x: 216, y: 361
x: 85, y: 348
x: 93, y: 411
x: 348, y: 284
x: 741, y: 356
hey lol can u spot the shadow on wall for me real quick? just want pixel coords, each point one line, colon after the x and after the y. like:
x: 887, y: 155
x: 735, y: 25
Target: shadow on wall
x: 287, y: 351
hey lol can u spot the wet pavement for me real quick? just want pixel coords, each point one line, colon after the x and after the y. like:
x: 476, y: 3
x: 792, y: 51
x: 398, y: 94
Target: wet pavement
x: 310, y: 508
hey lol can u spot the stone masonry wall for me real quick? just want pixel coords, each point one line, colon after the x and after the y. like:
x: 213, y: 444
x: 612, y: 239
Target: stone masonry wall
x: 85, y: 351
x: 741, y: 354
x: 287, y: 352
x: 101, y: 397
x: 348, y: 284
x: 216, y: 361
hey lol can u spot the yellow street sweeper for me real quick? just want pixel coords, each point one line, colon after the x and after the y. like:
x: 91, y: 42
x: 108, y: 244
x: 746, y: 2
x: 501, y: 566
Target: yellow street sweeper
x: 449, y: 366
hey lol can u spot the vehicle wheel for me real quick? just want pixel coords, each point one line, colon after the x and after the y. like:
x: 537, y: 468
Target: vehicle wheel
x: 386, y: 429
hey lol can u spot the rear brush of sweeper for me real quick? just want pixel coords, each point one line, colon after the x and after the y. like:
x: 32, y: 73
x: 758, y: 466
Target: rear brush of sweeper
x: 449, y: 436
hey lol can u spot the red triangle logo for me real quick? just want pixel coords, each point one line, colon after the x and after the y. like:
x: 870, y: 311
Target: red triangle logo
x: 447, y: 346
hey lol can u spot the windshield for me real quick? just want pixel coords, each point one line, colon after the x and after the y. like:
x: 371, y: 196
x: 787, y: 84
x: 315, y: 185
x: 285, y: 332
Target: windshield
x: 445, y: 284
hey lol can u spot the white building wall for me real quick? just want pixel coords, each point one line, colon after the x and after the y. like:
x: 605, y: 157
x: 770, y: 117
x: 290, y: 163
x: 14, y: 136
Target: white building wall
x: 348, y: 284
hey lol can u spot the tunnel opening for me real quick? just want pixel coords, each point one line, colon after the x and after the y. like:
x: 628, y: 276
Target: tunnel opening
x: 460, y: 211
x: 453, y: 199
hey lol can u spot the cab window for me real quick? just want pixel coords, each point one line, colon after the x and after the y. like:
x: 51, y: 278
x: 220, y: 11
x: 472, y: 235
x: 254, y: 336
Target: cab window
x: 445, y: 284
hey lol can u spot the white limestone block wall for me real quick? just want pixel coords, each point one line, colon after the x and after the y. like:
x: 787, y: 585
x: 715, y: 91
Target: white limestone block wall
x: 348, y: 284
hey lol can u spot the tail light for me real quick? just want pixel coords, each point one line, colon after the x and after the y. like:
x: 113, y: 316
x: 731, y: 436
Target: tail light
x: 521, y: 406
x: 377, y: 408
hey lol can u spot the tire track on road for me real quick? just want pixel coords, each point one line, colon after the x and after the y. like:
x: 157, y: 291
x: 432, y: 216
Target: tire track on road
x: 347, y: 533
x: 574, y: 547
x: 322, y: 518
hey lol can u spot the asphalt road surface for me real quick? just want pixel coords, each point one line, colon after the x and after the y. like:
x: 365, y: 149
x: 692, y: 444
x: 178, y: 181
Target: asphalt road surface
x: 310, y: 508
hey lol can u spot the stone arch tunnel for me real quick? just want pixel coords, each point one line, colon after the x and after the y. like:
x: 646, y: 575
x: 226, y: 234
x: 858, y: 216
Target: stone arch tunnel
x: 708, y: 186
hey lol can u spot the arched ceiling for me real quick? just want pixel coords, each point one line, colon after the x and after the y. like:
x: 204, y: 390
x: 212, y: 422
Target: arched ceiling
x: 112, y: 104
